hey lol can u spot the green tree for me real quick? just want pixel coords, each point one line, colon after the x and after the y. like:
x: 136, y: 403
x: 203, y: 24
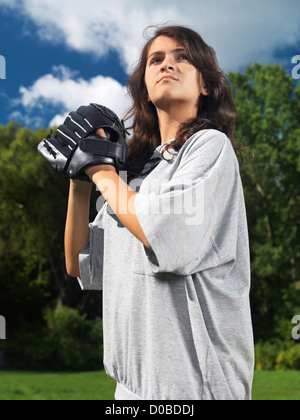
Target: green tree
x: 33, y: 204
x: 268, y: 104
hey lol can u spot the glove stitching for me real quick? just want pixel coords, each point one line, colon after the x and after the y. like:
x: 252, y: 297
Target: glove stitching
x: 73, y: 121
x: 61, y: 132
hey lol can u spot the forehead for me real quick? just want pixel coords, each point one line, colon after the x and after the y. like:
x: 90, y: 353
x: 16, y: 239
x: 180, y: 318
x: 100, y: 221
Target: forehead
x: 164, y: 43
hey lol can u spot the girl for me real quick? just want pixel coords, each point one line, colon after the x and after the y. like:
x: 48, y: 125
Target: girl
x: 171, y: 249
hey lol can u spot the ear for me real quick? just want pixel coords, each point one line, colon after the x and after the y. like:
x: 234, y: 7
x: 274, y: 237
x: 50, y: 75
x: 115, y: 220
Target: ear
x: 204, y: 90
x: 203, y: 86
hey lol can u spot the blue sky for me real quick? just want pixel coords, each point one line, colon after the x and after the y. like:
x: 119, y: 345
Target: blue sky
x: 61, y: 54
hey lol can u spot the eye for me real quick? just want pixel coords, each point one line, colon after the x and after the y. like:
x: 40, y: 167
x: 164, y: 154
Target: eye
x: 183, y: 57
x: 155, y: 60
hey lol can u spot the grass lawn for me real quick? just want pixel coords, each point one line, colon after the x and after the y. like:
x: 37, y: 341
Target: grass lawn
x: 98, y: 386
x: 60, y: 386
x: 277, y: 386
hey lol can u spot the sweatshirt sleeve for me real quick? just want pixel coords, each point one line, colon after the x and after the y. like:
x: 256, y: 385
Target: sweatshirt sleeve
x: 191, y: 220
x: 91, y: 257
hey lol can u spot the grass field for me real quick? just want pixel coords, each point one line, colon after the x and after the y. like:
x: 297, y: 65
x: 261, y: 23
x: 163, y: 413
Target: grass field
x: 98, y: 386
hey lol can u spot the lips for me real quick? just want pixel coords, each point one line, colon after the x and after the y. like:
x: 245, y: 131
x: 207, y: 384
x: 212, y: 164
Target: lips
x: 167, y: 77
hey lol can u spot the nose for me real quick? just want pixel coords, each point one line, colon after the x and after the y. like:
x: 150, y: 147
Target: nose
x: 167, y: 64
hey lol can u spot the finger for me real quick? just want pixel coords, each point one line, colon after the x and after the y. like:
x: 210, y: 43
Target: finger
x: 67, y: 136
x: 101, y: 133
x: 77, y: 123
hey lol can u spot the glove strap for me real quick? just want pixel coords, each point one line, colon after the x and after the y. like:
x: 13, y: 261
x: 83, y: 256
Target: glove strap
x: 102, y: 147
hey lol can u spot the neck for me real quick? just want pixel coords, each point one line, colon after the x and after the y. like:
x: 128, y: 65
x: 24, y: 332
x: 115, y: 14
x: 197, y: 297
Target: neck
x: 169, y: 122
x: 168, y: 127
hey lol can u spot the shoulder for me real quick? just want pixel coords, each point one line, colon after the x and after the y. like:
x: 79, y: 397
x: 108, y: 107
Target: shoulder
x: 206, y: 139
x: 208, y: 145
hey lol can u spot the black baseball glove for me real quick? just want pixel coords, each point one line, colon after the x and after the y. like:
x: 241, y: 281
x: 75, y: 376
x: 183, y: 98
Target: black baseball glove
x: 75, y: 145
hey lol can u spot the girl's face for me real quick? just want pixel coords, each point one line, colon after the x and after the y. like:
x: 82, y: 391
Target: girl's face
x: 170, y: 78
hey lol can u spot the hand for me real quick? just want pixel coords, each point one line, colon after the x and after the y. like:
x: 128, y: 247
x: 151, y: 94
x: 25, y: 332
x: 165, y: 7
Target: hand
x: 74, y: 146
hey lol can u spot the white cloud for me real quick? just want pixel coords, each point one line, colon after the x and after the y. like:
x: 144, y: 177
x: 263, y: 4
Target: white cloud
x: 241, y: 31
x: 66, y: 91
x: 27, y: 120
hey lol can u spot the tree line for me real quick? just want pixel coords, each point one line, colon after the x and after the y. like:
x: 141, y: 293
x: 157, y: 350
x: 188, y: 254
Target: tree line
x: 33, y: 204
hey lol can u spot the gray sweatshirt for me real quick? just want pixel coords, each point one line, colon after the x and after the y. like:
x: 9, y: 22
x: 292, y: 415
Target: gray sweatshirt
x: 177, y: 322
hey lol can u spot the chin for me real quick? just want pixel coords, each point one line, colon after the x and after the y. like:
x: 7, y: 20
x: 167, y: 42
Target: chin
x: 166, y: 100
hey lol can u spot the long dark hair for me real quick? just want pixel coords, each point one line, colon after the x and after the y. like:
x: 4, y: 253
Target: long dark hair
x: 217, y: 110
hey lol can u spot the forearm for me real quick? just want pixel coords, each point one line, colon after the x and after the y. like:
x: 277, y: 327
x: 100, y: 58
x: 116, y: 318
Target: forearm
x: 120, y: 197
x: 77, y: 225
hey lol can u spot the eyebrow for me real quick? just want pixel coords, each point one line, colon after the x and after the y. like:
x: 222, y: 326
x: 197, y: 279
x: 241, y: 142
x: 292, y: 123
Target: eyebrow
x: 176, y: 50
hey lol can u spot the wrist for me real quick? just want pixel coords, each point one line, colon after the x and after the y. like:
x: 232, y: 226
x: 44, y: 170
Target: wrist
x: 92, y: 170
x: 80, y: 187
